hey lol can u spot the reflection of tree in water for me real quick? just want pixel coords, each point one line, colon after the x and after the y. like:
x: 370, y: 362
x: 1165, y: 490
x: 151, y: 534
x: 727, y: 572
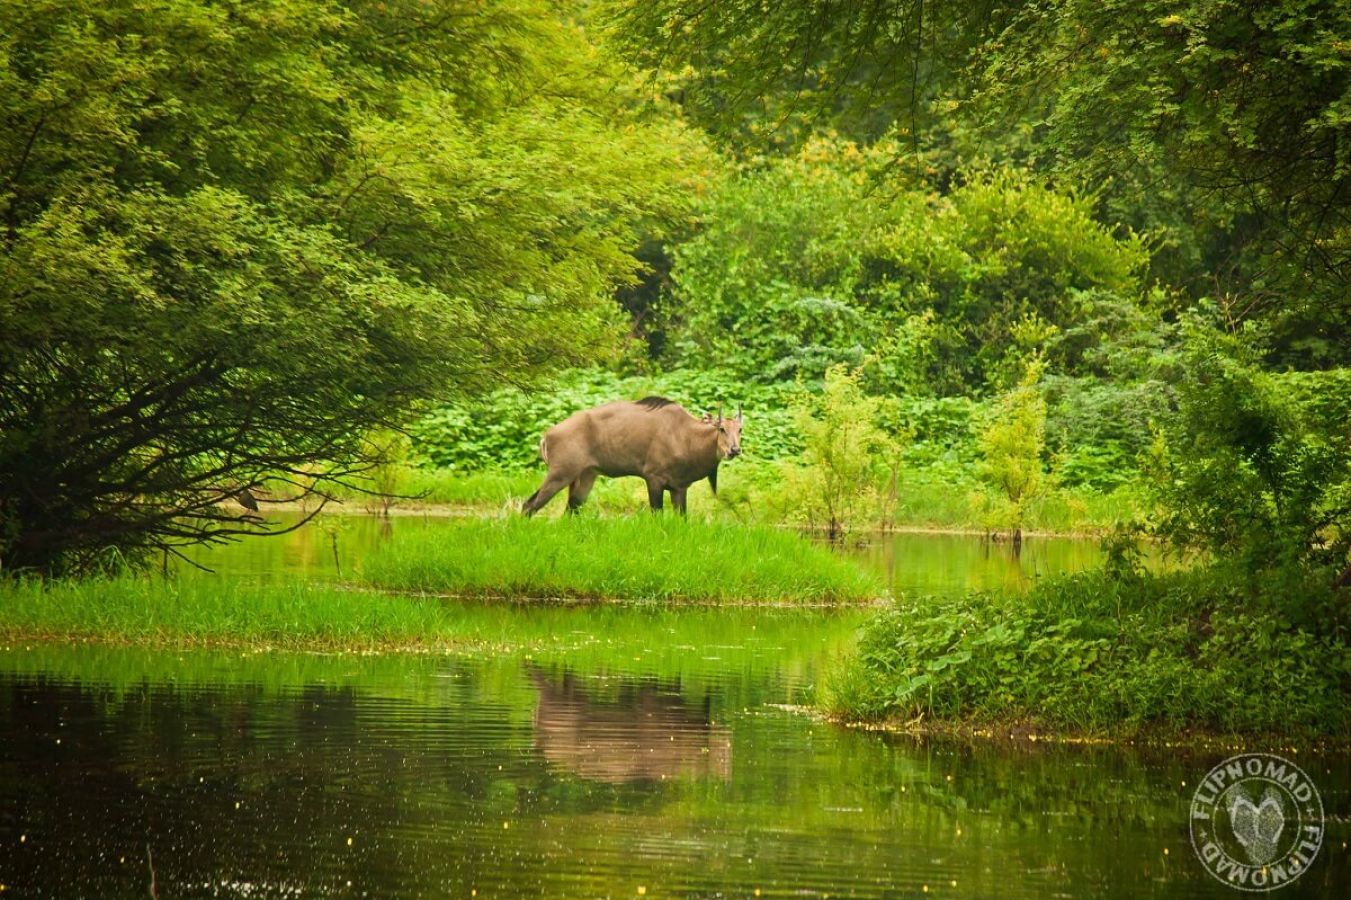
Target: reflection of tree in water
x: 242, y: 785
x: 648, y: 733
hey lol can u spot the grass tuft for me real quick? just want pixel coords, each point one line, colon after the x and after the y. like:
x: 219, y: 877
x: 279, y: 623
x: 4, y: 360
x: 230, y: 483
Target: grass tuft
x: 639, y: 558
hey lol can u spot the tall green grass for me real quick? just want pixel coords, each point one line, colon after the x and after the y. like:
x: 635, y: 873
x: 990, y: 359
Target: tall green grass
x: 636, y: 558
x: 208, y: 611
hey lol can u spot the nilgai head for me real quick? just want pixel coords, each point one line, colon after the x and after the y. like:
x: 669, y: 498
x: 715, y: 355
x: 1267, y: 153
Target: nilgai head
x: 729, y: 432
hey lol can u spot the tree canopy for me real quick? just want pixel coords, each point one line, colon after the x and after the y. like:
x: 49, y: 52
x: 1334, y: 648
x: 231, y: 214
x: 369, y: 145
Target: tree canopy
x: 819, y: 258
x: 235, y: 237
x: 1222, y: 129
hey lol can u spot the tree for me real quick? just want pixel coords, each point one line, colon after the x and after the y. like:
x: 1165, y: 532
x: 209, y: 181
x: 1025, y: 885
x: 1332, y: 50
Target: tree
x: 775, y: 73
x: 1226, y: 123
x: 1012, y: 443
x: 846, y: 454
x: 237, y: 238
x: 1220, y: 127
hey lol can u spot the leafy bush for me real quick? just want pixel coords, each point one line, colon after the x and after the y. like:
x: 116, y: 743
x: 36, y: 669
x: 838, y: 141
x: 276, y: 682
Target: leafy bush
x: 768, y: 288
x: 820, y: 260
x: 847, y: 458
x: 1253, y: 466
x: 1194, y: 649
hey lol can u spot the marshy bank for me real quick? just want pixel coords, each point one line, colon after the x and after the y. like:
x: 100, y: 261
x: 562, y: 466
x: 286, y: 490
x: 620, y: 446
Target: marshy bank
x: 975, y: 640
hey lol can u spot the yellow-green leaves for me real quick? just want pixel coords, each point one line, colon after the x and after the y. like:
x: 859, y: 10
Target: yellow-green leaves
x: 1011, y: 444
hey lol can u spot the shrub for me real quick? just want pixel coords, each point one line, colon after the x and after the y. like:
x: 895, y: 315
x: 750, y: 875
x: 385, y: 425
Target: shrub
x: 1249, y: 468
x: 1194, y: 649
x: 847, y: 458
x: 821, y: 260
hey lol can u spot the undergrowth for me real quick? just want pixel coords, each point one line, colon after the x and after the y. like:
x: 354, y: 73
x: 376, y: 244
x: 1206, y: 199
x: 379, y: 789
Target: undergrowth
x: 1196, y: 649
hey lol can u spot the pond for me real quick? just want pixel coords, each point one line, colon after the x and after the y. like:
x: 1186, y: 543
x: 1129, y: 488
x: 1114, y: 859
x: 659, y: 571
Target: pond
x: 637, y: 751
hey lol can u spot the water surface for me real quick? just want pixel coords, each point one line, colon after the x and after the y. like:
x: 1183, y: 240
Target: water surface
x: 508, y: 775
x: 620, y: 751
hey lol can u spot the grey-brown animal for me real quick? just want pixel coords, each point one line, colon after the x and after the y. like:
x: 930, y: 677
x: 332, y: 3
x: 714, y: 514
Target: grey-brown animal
x: 653, y: 438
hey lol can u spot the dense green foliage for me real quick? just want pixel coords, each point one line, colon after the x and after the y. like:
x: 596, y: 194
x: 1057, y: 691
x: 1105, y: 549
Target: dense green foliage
x: 1221, y: 127
x: 1254, y: 466
x: 1225, y: 125
x: 1104, y: 654
x: 640, y: 558
x: 234, y: 238
x: 811, y: 261
x: 771, y: 75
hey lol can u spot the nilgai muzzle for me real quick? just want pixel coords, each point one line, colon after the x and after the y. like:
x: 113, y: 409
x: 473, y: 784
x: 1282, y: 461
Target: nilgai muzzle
x: 653, y: 438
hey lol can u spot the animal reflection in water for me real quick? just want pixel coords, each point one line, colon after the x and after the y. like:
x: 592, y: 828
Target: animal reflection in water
x: 649, y: 732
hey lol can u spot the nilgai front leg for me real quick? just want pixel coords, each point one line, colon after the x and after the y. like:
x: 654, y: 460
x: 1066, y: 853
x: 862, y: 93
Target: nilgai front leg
x: 654, y: 491
x: 678, y: 499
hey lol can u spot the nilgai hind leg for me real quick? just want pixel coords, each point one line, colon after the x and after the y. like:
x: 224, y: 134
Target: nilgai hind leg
x: 553, y: 483
x: 580, y: 487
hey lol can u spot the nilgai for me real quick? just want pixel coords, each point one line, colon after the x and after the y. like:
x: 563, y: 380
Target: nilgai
x: 653, y: 438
